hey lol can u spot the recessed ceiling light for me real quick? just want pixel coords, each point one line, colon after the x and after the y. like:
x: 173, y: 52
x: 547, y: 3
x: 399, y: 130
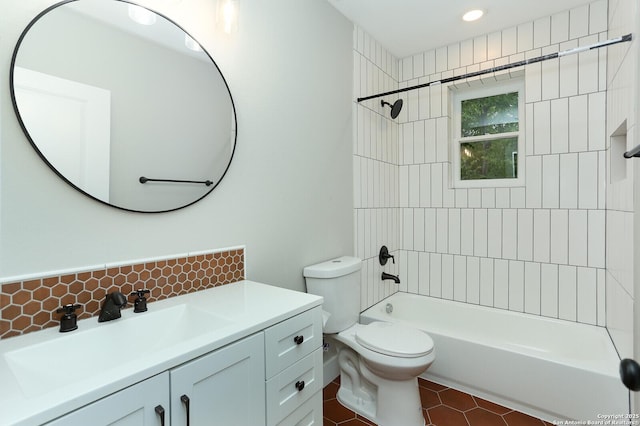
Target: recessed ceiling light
x: 473, y: 15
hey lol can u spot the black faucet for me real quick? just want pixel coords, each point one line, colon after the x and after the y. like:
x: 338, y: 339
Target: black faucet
x: 386, y: 276
x: 113, y: 302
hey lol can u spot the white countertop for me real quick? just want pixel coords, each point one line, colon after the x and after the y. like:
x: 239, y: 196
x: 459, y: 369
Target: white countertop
x: 242, y: 308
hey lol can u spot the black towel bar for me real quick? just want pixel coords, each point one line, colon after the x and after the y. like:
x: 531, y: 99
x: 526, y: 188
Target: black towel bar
x: 146, y: 179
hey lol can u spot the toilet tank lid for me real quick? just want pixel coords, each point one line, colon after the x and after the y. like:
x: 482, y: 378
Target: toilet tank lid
x: 333, y: 268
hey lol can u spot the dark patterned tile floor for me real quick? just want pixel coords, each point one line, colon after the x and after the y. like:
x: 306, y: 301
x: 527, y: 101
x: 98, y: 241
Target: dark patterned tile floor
x: 441, y: 406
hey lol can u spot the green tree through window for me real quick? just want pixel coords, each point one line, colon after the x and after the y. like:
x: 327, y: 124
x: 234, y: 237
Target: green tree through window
x: 489, y: 159
x: 483, y: 157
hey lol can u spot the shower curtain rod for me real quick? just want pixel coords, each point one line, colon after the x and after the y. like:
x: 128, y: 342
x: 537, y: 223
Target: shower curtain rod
x: 507, y: 66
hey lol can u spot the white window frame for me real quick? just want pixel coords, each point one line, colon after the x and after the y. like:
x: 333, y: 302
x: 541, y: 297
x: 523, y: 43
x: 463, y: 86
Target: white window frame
x: 459, y: 95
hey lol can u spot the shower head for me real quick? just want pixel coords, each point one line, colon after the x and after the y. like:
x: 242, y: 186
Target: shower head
x: 395, y: 108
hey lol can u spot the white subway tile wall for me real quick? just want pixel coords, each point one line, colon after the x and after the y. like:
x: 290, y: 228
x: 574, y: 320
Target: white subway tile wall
x: 621, y: 104
x: 539, y: 248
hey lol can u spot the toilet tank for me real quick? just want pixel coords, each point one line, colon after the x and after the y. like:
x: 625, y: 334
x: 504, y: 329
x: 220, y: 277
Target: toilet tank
x: 338, y: 281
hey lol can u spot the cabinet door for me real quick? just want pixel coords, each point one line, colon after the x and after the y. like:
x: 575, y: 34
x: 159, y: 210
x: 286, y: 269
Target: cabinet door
x: 225, y: 387
x: 132, y: 406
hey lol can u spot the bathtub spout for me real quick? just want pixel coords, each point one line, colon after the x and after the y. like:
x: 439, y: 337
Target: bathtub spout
x: 386, y: 276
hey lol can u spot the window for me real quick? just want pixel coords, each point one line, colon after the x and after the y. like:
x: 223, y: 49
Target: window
x: 488, y: 136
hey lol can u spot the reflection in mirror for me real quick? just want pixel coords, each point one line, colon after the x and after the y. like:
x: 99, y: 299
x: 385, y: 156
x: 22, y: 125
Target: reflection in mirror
x: 106, y: 100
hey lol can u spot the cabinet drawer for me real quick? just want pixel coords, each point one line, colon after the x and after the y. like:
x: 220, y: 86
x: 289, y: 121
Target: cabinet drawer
x: 289, y: 389
x: 291, y: 340
x: 308, y: 414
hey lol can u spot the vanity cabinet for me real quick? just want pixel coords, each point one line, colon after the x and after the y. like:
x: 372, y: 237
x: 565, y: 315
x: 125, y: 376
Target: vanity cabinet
x: 133, y: 406
x: 273, y: 378
x: 224, y: 387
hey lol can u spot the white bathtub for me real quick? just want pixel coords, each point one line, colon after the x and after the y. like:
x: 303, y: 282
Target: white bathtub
x: 550, y: 369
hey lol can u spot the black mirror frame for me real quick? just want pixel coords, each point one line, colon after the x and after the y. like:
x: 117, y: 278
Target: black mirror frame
x: 57, y: 172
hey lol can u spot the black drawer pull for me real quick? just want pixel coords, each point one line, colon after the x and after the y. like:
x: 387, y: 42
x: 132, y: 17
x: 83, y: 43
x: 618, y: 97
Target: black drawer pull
x: 298, y: 339
x: 187, y: 402
x: 160, y: 411
x: 300, y: 385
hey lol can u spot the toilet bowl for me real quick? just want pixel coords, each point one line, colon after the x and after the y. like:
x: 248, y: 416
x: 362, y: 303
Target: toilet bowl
x: 378, y: 374
x: 392, y: 351
x: 379, y: 362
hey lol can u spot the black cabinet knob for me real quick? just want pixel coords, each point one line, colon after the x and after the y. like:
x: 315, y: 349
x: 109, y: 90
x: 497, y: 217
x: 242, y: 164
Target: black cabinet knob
x: 300, y: 385
x: 298, y: 339
x: 630, y: 374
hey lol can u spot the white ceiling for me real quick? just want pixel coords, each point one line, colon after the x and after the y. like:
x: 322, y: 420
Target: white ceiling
x: 406, y: 27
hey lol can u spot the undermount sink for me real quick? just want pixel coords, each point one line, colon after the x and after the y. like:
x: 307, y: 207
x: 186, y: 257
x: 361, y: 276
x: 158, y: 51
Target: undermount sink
x: 70, y: 357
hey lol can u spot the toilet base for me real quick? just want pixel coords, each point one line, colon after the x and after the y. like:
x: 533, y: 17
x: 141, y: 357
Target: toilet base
x: 383, y: 401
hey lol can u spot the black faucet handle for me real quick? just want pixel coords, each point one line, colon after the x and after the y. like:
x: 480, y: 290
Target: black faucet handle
x: 384, y: 255
x: 68, y: 309
x: 68, y: 321
x: 140, y: 304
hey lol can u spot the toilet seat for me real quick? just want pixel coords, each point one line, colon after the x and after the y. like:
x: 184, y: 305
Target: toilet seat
x: 394, y: 340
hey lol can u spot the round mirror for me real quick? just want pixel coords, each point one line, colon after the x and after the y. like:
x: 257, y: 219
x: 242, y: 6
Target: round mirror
x: 123, y: 104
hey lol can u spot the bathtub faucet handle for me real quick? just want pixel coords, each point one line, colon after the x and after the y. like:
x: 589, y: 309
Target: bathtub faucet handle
x: 384, y: 256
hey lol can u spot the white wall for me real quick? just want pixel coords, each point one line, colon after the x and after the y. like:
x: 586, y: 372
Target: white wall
x: 288, y: 193
x: 539, y: 248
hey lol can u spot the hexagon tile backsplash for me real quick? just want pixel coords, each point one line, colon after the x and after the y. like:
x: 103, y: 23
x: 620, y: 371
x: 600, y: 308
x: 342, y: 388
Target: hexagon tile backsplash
x: 31, y: 304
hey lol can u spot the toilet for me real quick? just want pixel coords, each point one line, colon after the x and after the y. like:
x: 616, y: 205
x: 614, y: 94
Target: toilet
x: 379, y: 362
